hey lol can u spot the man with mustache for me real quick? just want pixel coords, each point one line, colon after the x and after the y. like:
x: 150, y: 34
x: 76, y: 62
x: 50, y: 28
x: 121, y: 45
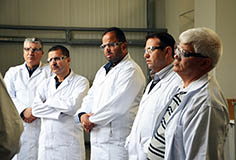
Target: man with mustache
x: 57, y: 100
x: 194, y: 123
x: 109, y: 108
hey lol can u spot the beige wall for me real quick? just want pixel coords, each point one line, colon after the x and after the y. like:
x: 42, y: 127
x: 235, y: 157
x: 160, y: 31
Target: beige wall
x: 72, y: 13
x: 220, y: 16
x: 215, y: 14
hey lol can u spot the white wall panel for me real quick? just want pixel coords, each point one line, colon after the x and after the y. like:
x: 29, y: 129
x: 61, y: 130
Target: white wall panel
x: 73, y: 13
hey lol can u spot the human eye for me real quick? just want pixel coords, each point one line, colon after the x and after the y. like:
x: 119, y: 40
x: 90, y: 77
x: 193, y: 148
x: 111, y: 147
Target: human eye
x: 57, y: 58
x: 102, y: 46
x: 112, y: 44
x: 26, y: 49
x: 37, y: 49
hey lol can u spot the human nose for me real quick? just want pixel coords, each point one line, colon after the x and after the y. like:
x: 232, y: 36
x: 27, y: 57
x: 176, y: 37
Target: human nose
x: 31, y: 52
x: 107, y: 48
x: 177, y: 56
x: 146, y: 53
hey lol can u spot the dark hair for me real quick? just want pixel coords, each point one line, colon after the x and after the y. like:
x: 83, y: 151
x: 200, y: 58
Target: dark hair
x: 63, y: 49
x: 118, y: 32
x: 165, y: 40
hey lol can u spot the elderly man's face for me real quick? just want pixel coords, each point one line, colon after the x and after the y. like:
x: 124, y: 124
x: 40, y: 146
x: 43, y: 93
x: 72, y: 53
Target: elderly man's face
x: 186, y: 66
x: 32, y: 54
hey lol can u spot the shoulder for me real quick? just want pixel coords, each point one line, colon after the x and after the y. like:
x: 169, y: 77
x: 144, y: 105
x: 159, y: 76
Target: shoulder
x: 207, y: 96
x: 45, y: 67
x: 129, y: 65
x: 16, y: 68
x: 14, y: 71
x: 79, y: 78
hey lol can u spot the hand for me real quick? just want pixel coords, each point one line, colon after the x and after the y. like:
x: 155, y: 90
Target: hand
x: 87, y: 125
x: 28, y: 117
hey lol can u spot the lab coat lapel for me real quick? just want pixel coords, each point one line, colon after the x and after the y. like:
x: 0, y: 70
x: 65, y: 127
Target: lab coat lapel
x: 164, y: 80
x: 110, y: 73
x: 37, y: 71
x: 147, y: 95
x: 64, y: 84
x: 195, y: 87
x: 24, y: 76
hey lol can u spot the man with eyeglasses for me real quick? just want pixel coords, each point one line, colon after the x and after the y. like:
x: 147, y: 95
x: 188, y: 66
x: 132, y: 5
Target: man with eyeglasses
x: 194, y: 123
x: 109, y: 108
x: 57, y: 100
x: 21, y: 82
x: 159, y: 55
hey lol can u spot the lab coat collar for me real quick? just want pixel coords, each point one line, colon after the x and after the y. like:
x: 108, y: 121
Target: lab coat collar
x: 195, y: 84
x: 65, y: 82
x: 35, y: 73
x: 120, y: 64
x: 161, y: 74
x: 191, y: 90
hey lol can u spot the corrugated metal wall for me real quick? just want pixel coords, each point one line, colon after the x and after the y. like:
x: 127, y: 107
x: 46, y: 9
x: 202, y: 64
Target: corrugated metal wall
x: 72, y: 13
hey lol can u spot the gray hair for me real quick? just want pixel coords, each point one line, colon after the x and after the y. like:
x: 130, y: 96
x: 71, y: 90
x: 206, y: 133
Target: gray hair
x: 204, y: 41
x: 34, y: 40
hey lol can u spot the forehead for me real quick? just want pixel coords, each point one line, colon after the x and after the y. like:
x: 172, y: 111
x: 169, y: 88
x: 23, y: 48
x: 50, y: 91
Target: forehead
x: 153, y: 41
x: 56, y: 53
x: 187, y: 47
x: 31, y: 44
x: 109, y: 37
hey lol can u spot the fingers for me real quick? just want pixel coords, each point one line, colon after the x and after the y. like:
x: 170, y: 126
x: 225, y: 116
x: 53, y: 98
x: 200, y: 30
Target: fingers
x: 30, y: 119
x: 87, y: 125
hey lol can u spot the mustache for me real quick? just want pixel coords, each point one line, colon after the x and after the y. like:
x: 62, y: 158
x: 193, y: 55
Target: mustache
x: 55, y: 65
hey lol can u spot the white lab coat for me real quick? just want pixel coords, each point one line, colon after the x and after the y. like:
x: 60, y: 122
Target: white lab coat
x: 150, y: 107
x: 60, y: 137
x: 21, y: 89
x: 113, y: 99
x: 197, y: 129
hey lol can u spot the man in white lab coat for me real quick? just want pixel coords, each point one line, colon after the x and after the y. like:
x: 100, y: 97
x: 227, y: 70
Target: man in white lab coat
x: 109, y: 108
x: 57, y: 100
x: 194, y: 123
x: 159, y: 55
x: 21, y: 82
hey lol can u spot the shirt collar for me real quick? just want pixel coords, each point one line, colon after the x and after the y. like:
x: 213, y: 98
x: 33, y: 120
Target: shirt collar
x: 161, y: 74
x: 31, y: 71
x: 57, y: 81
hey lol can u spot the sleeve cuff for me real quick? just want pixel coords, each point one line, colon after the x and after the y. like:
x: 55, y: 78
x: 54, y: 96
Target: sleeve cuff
x: 80, y: 114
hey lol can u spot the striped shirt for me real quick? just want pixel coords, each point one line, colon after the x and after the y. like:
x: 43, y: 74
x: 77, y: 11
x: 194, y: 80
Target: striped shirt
x: 156, y: 148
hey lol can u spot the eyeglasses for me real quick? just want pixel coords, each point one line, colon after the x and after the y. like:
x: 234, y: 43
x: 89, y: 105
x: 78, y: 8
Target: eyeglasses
x: 111, y: 44
x: 182, y: 53
x: 34, y: 50
x: 56, y: 59
x: 152, y: 48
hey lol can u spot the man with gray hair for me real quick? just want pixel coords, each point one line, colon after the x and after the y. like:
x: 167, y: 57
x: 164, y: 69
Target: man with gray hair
x: 194, y: 124
x: 21, y: 82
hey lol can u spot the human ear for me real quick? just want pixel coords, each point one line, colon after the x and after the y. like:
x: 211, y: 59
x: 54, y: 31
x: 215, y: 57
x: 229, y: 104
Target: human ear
x: 206, y: 63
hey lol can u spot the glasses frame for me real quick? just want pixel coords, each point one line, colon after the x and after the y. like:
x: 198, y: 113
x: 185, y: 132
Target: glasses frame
x: 182, y: 53
x: 56, y: 59
x: 150, y: 49
x: 111, y: 44
x: 34, y: 50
